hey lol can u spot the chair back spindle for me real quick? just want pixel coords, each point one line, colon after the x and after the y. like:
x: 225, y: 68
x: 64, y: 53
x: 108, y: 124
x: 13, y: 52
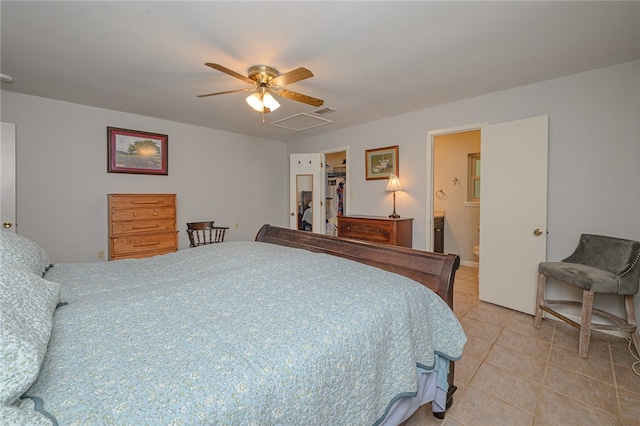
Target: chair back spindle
x: 202, y: 233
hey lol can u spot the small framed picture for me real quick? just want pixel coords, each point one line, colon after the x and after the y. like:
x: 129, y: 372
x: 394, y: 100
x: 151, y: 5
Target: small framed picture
x: 381, y: 162
x: 133, y: 151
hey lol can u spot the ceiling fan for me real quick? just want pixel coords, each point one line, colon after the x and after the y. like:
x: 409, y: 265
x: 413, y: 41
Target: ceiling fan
x: 267, y: 80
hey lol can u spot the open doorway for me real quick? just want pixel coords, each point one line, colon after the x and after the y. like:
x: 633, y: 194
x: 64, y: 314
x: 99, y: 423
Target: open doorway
x: 513, y: 210
x: 437, y: 216
x: 319, y: 186
x: 456, y: 202
x: 336, y: 190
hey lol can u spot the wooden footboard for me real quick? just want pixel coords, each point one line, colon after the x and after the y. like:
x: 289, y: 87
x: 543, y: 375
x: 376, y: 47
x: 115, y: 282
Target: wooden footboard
x: 434, y: 270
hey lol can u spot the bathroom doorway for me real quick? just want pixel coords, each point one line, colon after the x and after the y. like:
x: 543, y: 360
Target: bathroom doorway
x: 513, y: 210
x: 455, y: 199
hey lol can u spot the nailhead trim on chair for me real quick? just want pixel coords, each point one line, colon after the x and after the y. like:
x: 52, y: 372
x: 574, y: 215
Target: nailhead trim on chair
x: 622, y: 274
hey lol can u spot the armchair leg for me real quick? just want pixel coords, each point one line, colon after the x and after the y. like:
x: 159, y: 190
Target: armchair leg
x: 631, y: 320
x: 540, y: 299
x: 585, y: 323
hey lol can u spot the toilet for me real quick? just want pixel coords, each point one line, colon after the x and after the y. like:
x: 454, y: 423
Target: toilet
x: 476, y: 251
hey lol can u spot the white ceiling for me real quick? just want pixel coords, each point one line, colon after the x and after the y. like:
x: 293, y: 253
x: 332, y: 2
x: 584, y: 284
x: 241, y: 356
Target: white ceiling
x: 370, y: 59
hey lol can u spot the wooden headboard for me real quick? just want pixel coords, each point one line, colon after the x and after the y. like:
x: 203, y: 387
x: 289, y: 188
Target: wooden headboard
x: 434, y: 270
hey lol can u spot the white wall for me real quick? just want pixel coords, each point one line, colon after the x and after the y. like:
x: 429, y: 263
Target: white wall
x: 594, y: 158
x: 62, y: 178
x: 594, y: 153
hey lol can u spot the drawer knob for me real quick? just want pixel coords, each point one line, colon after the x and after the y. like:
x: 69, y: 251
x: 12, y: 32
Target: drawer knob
x: 135, y: 215
x: 155, y: 214
x: 348, y: 228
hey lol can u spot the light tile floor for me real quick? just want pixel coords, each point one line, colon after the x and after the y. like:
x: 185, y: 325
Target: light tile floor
x: 514, y: 374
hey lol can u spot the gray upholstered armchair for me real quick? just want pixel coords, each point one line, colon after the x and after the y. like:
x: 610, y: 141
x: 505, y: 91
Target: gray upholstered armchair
x: 599, y: 264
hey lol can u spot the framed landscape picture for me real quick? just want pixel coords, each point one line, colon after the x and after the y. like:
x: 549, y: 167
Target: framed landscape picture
x: 133, y: 151
x: 381, y: 162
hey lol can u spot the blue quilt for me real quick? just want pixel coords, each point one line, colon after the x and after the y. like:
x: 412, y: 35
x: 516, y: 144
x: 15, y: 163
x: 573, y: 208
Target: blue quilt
x: 239, y: 333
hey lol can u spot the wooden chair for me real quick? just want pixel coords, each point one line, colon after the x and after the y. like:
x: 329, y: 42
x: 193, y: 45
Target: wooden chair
x: 598, y: 265
x: 202, y: 233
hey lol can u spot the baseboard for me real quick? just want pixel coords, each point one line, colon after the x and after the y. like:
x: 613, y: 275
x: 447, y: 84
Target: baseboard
x: 469, y: 263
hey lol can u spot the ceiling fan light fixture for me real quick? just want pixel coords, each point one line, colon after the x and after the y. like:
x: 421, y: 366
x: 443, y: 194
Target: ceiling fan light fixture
x: 263, y: 102
x: 270, y: 102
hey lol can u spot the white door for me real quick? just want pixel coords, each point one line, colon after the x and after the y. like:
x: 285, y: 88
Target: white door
x: 513, y: 211
x: 306, y: 200
x: 8, y: 176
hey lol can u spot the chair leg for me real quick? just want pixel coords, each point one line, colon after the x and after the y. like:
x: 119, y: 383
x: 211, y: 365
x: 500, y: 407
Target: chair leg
x: 585, y: 323
x: 540, y: 299
x: 631, y: 320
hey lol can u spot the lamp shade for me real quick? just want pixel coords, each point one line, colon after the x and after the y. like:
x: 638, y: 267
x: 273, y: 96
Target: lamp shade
x: 263, y: 102
x: 394, y: 184
x: 270, y: 102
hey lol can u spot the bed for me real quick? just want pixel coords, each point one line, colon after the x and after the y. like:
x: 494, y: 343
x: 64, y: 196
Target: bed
x: 292, y: 328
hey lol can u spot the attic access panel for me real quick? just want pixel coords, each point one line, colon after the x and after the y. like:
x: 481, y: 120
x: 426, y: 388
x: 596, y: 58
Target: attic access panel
x: 300, y: 122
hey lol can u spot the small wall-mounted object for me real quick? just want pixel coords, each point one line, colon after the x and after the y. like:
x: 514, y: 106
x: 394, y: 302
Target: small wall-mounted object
x: 455, y: 180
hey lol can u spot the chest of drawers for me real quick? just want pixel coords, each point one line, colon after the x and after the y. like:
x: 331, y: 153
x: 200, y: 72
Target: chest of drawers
x: 141, y: 225
x: 384, y: 230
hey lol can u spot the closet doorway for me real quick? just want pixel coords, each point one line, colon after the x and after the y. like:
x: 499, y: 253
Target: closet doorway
x: 318, y: 190
x: 337, y: 188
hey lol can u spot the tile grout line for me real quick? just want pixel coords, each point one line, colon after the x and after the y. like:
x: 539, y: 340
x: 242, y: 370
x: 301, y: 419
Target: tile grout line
x: 544, y: 374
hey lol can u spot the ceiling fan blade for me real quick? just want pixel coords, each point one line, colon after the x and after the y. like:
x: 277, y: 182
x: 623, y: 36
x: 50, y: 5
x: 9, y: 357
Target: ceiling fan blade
x: 229, y: 72
x: 292, y: 76
x: 299, y: 97
x: 224, y: 93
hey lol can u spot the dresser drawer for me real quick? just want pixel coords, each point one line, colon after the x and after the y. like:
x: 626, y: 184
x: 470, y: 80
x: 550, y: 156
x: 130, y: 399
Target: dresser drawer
x: 143, y: 214
x: 136, y: 227
x: 379, y: 232
x: 395, y: 231
x: 125, y: 246
x: 142, y: 201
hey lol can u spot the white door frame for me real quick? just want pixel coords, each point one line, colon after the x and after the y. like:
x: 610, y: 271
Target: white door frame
x: 431, y: 135
x: 311, y: 164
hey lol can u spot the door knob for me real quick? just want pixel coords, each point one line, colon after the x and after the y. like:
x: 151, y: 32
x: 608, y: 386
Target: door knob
x: 537, y: 232
x: 292, y: 214
x: 7, y: 224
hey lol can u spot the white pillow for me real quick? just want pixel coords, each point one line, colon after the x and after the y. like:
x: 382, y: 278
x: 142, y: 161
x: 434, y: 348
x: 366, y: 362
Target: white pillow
x: 27, y: 303
x: 18, y: 252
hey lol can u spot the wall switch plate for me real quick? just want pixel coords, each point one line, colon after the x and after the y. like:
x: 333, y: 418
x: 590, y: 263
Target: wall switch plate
x: 101, y: 255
